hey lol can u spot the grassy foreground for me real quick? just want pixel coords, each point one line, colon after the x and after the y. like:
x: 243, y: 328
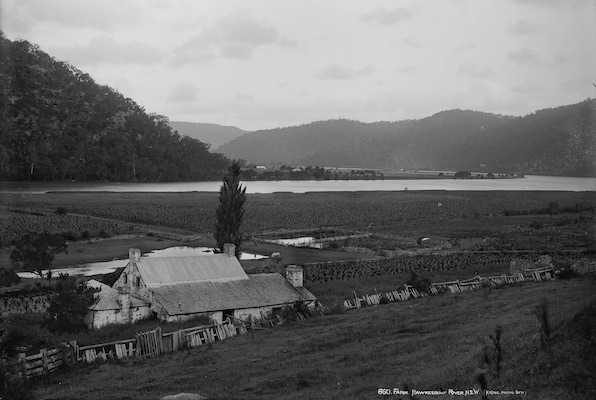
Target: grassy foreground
x: 425, y: 344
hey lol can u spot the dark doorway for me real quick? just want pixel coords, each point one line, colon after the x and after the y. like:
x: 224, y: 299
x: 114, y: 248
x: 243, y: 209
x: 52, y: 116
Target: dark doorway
x: 227, y: 314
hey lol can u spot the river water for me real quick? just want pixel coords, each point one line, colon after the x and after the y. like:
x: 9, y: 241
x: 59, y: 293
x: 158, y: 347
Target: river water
x: 530, y: 182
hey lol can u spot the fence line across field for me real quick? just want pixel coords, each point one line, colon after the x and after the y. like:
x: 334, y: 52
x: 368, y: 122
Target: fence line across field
x: 536, y: 274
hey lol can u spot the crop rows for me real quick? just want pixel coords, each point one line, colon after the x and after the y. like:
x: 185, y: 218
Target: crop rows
x: 195, y: 212
x: 336, y: 211
x: 14, y: 227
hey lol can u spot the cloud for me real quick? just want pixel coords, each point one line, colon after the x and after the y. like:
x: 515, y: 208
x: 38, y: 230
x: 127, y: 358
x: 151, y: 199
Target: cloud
x: 527, y: 87
x: 335, y: 72
x: 231, y: 37
x: 475, y: 70
x: 523, y: 57
x: 184, y: 92
x: 523, y: 27
x: 551, y: 3
x: 103, y: 15
x: 408, y: 69
x: 386, y: 17
x: 105, y: 50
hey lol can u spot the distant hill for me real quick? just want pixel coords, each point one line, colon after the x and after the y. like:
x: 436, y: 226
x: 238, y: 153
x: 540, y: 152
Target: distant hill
x: 558, y: 141
x: 56, y: 123
x: 212, y: 134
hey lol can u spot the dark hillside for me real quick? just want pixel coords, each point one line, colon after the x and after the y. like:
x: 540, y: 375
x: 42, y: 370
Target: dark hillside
x: 58, y: 124
x: 558, y: 141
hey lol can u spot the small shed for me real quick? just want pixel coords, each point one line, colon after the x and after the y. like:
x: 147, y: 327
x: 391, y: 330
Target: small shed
x: 114, y: 307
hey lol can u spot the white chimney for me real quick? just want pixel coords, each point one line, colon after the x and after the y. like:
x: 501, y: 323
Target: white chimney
x: 124, y: 300
x: 134, y: 254
x: 295, y: 275
x: 229, y: 249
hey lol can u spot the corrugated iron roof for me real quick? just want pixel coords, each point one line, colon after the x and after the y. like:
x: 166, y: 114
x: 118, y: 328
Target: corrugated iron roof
x: 257, y: 291
x: 169, y: 270
x: 107, y: 298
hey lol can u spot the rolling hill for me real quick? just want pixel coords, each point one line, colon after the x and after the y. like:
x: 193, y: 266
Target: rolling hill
x: 557, y: 141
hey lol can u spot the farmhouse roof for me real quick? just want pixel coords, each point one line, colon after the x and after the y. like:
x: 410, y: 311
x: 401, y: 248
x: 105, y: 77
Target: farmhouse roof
x: 107, y: 298
x: 257, y: 291
x: 160, y: 271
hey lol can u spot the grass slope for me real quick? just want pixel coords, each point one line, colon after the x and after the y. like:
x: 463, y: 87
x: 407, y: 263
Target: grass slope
x: 430, y: 343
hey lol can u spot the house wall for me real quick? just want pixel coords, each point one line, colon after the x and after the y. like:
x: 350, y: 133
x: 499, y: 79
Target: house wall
x: 128, y: 280
x: 97, y: 319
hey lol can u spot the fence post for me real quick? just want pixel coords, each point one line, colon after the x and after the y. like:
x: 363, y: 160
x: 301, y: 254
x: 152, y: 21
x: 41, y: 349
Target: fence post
x: 75, y: 351
x: 44, y: 357
x: 22, y: 364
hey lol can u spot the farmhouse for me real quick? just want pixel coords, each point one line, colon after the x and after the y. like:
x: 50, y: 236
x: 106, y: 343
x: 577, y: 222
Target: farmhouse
x: 179, y: 288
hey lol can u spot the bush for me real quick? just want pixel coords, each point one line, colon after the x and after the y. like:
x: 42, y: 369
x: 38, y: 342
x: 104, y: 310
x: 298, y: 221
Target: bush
x: 422, y: 284
x: 60, y: 211
x: 8, y: 278
x: 70, y: 305
x: 567, y: 273
x: 335, y: 308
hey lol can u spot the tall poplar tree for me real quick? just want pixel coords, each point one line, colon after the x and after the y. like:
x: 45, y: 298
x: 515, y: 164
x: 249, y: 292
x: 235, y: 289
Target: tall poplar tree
x: 230, y: 211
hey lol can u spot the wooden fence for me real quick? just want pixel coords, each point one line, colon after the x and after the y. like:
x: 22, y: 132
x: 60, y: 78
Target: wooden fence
x: 45, y: 361
x: 145, y: 344
x: 536, y: 274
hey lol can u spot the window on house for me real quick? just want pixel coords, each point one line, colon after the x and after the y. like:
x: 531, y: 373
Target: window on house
x: 138, y: 281
x: 125, y: 279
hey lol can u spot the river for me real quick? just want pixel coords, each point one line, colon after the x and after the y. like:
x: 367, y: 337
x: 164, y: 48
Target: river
x: 530, y: 182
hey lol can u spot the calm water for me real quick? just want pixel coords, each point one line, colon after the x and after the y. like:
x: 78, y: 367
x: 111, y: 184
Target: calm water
x: 107, y: 267
x: 528, y: 183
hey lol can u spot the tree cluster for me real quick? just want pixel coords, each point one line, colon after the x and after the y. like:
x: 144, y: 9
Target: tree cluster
x: 58, y: 124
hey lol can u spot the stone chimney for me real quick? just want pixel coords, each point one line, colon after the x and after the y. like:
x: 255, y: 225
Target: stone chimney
x: 124, y: 300
x: 134, y: 254
x: 229, y: 249
x: 295, y: 275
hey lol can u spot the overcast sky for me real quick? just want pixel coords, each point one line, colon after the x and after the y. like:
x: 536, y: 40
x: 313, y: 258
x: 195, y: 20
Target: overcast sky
x: 259, y: 64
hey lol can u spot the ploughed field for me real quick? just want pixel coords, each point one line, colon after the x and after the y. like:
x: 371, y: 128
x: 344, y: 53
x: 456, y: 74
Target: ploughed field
x: 445, y: 214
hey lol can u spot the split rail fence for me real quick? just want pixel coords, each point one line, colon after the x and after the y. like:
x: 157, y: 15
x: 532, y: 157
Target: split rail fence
x: 146, y: 344
x: 536, y: 274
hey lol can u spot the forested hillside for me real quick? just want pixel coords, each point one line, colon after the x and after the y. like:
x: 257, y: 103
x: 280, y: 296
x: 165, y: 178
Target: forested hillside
x: 58, y: 124
x: 212, y: 134
x: 559, y: 141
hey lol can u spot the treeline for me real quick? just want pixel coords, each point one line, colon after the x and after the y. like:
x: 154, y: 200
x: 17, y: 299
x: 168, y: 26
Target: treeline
x: 308, y: 173
x: 58, y: 124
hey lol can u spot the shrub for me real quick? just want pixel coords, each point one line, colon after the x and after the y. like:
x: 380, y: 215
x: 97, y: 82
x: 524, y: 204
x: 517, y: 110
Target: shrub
x: 422, y: 284
x: 70, y: 305
x: 8, y: 278
x: 60, y: 211
x: 335, y: 308
x: 567, y: 273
